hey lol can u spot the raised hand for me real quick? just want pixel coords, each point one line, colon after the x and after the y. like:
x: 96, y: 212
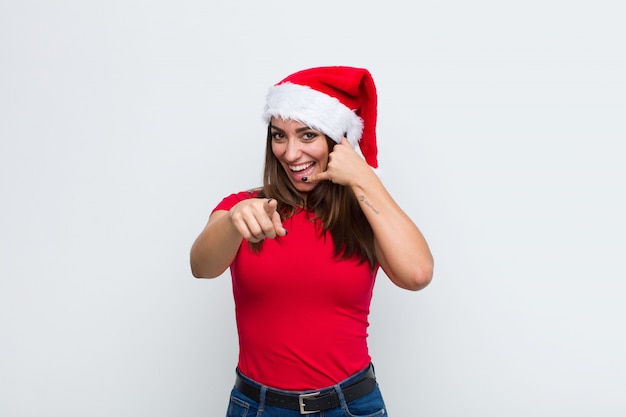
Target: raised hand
x: 345, y: 166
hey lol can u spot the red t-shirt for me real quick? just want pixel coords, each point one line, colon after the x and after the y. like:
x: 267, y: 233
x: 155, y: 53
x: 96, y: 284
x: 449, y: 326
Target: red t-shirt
x: 302, y: 314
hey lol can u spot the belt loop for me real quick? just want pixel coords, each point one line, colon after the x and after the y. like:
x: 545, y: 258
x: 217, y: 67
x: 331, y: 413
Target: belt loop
x: 340, y: 396
x: 262, y: 397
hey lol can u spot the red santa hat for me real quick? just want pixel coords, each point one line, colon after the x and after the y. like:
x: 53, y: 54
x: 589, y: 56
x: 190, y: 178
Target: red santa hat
x: 339, y: 101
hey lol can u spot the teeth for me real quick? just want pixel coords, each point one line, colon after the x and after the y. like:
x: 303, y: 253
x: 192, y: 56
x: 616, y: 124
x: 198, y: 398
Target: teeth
x: 300, y: 167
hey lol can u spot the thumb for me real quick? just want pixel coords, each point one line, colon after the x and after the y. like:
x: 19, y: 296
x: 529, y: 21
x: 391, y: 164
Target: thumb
x: 319, y: 177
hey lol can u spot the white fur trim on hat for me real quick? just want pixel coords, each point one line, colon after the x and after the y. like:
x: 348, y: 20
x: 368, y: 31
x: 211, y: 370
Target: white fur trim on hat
x: 315, y: 109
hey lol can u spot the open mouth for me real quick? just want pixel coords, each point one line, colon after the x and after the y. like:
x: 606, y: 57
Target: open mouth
x: 302, y: 170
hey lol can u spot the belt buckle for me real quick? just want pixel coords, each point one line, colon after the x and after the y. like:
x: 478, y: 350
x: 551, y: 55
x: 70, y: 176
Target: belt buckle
x: 301, y: 399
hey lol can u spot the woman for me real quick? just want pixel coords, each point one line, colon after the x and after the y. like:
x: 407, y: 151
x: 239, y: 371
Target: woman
x: 304, y: 251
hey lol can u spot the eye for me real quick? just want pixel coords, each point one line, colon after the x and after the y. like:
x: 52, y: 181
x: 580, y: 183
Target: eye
x: 309, y: 136
x: 278, y: 136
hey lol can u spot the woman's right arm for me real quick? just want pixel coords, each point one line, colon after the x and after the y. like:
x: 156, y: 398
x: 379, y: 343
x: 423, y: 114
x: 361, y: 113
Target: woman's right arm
x: 216, y: 246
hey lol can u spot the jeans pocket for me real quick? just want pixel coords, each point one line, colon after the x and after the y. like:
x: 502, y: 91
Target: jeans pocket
x: 370, y: 405
x: 237, y: 407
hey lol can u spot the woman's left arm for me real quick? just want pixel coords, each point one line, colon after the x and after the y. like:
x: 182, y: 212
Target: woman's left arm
x: 401, y: 249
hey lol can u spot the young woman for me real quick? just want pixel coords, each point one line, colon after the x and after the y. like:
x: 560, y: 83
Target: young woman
x: 304, y: 251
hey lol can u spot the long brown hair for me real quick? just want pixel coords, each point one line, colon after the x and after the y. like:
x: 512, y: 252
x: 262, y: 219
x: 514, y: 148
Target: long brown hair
x: 335, y: 205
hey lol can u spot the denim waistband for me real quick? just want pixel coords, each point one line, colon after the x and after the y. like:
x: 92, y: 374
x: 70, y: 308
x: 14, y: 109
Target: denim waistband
x: 309, y: 401
x: 351, y: 379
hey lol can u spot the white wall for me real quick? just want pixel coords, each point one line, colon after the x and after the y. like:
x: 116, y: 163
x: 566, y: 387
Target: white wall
x: 122, y: 123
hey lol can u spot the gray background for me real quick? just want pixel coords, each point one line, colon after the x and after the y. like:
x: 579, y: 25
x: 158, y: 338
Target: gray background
x: 501, y: 125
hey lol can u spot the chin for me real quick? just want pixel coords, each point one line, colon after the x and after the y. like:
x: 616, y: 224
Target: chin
x: 303, y: 187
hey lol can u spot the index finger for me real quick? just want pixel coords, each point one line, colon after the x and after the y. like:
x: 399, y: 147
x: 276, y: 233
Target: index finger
x: 270, y: 206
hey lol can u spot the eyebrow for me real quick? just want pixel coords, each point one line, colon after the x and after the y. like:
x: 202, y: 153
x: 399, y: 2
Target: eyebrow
x: 298, y: 130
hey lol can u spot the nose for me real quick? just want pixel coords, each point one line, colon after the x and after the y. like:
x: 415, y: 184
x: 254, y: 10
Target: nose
x: 292, y: 150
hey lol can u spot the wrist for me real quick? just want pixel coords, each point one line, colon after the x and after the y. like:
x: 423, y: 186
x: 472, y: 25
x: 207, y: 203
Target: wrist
x: 364, y: 181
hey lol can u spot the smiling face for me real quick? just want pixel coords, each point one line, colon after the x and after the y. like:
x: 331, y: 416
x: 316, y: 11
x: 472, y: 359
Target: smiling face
x: 301, y: 151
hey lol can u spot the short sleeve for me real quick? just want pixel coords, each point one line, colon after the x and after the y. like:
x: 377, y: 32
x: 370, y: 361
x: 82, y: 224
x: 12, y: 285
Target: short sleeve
x: 228, y: 202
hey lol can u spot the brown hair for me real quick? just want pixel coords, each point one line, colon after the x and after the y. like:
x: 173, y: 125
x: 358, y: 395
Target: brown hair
x: 335, y: 205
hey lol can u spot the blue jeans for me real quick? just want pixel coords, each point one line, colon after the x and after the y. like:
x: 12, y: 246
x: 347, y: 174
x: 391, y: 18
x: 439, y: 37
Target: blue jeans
x: 370, y: 405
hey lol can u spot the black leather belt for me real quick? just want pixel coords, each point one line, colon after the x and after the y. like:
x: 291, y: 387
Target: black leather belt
x: 310, y: 402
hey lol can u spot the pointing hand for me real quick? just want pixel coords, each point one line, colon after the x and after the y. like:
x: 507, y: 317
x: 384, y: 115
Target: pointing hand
x: 257, y: 219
